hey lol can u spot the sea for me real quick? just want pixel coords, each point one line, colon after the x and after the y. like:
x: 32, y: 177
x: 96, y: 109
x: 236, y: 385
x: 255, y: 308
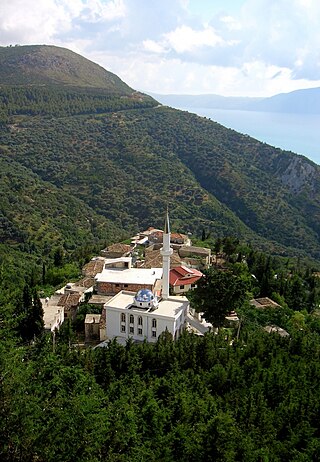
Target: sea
x: 299, y: 133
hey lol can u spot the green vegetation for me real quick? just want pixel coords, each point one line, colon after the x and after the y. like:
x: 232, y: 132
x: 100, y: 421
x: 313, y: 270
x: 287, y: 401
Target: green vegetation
x: 118, y: 158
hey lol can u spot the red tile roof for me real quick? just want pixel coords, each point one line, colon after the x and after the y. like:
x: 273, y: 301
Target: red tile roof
x: 181, y: 276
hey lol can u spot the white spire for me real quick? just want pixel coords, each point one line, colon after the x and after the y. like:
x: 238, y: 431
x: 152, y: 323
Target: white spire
x: 166, y: 252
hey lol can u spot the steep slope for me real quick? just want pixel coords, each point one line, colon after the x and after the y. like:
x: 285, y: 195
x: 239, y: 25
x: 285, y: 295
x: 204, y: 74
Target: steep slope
x: 125, y: 158
x: 37, y: 215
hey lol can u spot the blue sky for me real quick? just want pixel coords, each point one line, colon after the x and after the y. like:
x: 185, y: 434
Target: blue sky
x: 226, y: 47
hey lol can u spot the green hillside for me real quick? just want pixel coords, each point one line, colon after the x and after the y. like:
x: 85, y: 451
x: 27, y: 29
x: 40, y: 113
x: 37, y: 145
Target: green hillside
x: 121, y: 157
x: 50, y: 65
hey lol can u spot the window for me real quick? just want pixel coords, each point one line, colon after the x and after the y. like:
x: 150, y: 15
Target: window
x: 131, y: 330
x: 131, y: 319
x: 123, y: 328
x: 125, y: 285
x: 181, y: 287
x: 140, y: 320
x: 139, y: 331
x: 154, y: 323
x: 193, y: 286
x: 154, y: 333
x: 123, y: 317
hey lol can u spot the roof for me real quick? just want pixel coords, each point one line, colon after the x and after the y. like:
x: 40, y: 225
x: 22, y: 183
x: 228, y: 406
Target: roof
x: 92, y: 318
x: 153, y: 259
x: 276, y: 329
x: 115, y: 261
x: 181, y: 275
x: 69, y: 300
x: 146, y: 276
x: 169, y: 308
x: 190, y: 249
x: 86, y: 282
x: 92, y: 268
x: 118, y: 247
x: 264, y: 302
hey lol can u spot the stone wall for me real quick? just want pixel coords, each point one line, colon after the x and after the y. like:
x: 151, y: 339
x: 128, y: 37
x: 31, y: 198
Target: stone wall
x: 108, y: 288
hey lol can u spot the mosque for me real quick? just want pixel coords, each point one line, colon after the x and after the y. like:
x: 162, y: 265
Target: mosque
x: 145, y: 314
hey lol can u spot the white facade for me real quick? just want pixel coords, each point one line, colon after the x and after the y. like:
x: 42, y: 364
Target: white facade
x: 124, y: 319
x: 166, y: 252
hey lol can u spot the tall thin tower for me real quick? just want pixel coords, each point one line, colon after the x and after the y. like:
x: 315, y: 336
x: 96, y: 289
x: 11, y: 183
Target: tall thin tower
x: 166, y: 252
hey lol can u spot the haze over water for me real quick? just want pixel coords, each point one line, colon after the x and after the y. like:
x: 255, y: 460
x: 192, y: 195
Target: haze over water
x: 299, y: 133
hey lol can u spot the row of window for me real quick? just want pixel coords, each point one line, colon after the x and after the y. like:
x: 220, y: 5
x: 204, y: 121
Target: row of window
x: 140, y: 321
x: 139, y: 331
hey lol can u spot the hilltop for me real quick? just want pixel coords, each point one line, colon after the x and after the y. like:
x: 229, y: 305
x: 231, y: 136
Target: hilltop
x: 119, y: 158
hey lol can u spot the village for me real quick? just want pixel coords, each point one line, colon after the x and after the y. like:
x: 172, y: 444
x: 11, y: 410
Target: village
x: 139, y: 290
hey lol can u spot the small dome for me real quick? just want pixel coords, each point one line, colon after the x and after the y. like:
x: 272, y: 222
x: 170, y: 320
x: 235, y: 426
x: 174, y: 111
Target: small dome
x: 144, y: 295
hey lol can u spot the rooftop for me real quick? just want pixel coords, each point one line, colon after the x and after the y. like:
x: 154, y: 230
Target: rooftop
x: 146, y: 276
x: 92, y: 268
x: 92, y: 318
x: 168, y: 308
x: 264, y: 302
x: 182, y: 275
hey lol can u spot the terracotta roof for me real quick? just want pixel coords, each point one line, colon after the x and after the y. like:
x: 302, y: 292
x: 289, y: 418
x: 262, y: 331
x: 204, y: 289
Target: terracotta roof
x: 92, y: 268
x: 153, y: 259
x: 118, y: 247
x: 178, y: 236
x: 69, y: 300
x: 182, y: 275
x: 86, y: 282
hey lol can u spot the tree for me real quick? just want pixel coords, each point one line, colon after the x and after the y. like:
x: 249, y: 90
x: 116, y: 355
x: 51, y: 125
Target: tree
x: 218, y: 293
x: 29, y: 315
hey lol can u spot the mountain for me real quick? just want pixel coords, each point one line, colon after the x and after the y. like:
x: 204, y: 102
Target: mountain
x: 296, y: 102
x: 50, y: 65
x: 206, y: 101
x: 85, y: 164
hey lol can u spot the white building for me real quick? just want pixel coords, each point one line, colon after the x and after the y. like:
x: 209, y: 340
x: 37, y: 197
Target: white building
x: 140, y: 314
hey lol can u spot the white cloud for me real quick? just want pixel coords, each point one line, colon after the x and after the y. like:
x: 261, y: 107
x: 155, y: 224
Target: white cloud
x: 184, y: 38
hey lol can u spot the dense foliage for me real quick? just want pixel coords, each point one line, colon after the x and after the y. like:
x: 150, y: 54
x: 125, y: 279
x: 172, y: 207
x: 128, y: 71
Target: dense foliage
x: 197, y: 399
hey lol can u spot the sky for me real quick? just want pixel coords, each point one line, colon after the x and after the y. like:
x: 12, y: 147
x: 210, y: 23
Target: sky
x: 225, y: 47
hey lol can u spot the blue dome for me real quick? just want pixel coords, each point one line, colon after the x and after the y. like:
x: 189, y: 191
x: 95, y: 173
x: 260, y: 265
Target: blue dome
x: 144, y: 295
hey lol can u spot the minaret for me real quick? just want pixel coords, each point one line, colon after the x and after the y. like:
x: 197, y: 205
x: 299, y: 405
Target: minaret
x: 166, y: 252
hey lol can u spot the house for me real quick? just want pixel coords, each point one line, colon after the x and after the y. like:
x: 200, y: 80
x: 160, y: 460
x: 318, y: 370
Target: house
x: 153, y: 258
x: 195, y: 257
x: 53, y: 314
x: 176, y: 239
x: 92, y: 327
x: 94, y: 267
x: 183, y: 279
x: 116, y: 251
x: 264, y: 302
x: 114, y: 279
x: 70, y: 303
